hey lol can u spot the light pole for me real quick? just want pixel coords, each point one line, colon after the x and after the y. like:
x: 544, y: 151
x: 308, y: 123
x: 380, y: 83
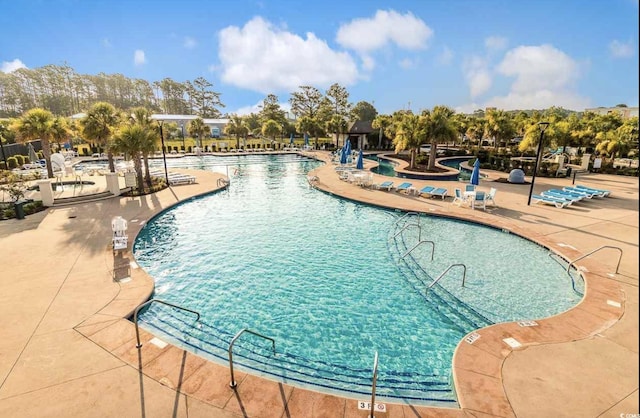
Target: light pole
x: 182, y: 129
x: 4, y: 156
x: 543, y: 126
x: 164, y: 156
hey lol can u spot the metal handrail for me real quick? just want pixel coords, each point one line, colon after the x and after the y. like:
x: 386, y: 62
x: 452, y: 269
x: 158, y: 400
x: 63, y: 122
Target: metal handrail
x: 598, y: 249
x: 464, y: 275
x: 408, y: 214
x: 433, y: 247
x: 233, y: 383
x: 373, y: 383
x: 407, y: 225
x: 149, y: 302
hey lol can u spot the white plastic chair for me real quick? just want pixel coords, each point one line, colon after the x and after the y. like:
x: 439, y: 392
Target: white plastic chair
x: 490, y: 196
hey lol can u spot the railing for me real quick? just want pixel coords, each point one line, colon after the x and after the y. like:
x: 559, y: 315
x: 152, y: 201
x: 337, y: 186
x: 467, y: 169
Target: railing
x: 433, y: 247
x: 149, y: 302
x: 233, y: 383
x: 407, y: 225
x: 408, y: 214
x: 373, y: 383
x: 464, y: 275
x: 596, y: 250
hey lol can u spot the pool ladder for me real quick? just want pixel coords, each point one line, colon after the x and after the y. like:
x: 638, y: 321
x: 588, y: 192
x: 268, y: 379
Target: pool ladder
x: 233, y: 384
x: 464, y: 275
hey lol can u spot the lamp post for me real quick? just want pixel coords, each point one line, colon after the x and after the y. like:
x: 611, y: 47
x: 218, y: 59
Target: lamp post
x: 543, y: 126
x: 182, y: 129
x: 4, y: 156
x: 164, y: 156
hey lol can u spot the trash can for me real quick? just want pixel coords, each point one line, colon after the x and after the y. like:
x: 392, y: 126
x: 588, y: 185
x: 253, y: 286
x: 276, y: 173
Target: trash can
x: 18, y: 207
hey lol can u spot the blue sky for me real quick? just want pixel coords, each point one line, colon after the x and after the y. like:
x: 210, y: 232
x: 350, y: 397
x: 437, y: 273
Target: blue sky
x: 466, y: 54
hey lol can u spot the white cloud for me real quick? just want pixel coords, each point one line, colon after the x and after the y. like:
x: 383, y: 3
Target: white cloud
x: 106, y: 43
x: 476, y: 72
x: 407, y: 63
x: 445, y: 57
x: 256, y: 108
x: 367, y: 62
x: 189, y: 42
x: 368, y: 34
x: 544, y: 77
x: 538, y: 67
x: 138, y: 57
x: 263, y: 58
x: 495, y: 43
x: 619, y: 49
x: 11, y: 66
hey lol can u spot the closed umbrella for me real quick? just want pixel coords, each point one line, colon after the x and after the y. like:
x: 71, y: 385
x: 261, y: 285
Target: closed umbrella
x: 33, y: 157
x: 306, y: 139
x: 347, y: 147
x: 291, y: 139
x: 343, y: 156
x: 360, y: 161
x: 475, y: 174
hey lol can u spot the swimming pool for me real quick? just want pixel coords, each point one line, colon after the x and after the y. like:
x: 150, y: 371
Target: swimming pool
x: 387, y: 168
x: 326, y: 278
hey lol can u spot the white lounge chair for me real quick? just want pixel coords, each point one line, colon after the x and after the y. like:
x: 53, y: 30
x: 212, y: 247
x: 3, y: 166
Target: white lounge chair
x: 385, y: 185
x: 550, y: 201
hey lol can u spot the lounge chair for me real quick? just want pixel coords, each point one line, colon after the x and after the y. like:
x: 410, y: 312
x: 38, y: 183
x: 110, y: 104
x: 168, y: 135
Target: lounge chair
x: 385, y: 185
x: 563, y: 196
x: 584, y: 193
x: 426, y: 190
x: 404, y: 186
x: 440, y: 191
x: 571, y: 194
x: 550, y: 201
x: 599, y: 192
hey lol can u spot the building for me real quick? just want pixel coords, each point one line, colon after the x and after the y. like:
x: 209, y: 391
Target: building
x: 625, y: 112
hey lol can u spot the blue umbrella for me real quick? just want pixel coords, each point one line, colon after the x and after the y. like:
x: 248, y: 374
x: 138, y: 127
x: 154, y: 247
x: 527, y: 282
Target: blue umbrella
x: 360, y: 162
x: 291, y: 139
x: 306, y: 139
x: 475, y: 174
x: 343, y: 156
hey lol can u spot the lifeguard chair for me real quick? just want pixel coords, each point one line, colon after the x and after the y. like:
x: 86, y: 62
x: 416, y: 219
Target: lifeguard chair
x: 120, y: 239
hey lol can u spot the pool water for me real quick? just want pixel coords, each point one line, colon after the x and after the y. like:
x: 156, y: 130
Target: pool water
x: 387, y: 168
x: 326, y: 279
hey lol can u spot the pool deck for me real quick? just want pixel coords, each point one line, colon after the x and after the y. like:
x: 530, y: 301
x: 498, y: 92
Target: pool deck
x: 68, y: 351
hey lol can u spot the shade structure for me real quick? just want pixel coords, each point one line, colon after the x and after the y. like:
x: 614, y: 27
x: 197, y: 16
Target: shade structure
x: 475, y: 174
x: 33, y: 157
x: 360, y: 161
x: 291, y: 139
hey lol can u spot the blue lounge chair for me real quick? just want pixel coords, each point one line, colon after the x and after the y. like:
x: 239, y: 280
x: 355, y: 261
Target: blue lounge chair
x: 584, y: 193
x: 561, y: 194
x: 404, y: 186
x: 385, y: 185
x: 560, y: 197
x: 426, y: 190
x: 440, y: 191
x: 571, y: 194
x: 550, y: 201
x: 598, y: 192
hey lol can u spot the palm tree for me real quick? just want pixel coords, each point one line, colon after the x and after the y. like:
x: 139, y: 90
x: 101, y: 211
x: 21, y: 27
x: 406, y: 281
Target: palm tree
x: 439, y: 127
x: 499, y: 126
x: 131, y: 139
x: 271, y: 129
x: 236, y: 127
x: 198, y: 129
x: 37, y: 124
x: 60, y: 131
x: 409, y: 134
x: 381, y: 122
x: 98, y: 126
x: 142, y: 116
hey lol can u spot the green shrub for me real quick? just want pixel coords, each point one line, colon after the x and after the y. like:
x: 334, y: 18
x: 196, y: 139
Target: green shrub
x: 19, y: 160
x: 2, y: 166
x: 12, y: 162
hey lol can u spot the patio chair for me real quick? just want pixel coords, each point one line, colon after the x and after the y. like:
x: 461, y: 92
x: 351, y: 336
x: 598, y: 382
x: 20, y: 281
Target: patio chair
x: 385, y: 185
x: 404, y: 186
x: 490, y: 197
x: 458, y: 198
x: 479, y: 200
x: 470, y: 188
